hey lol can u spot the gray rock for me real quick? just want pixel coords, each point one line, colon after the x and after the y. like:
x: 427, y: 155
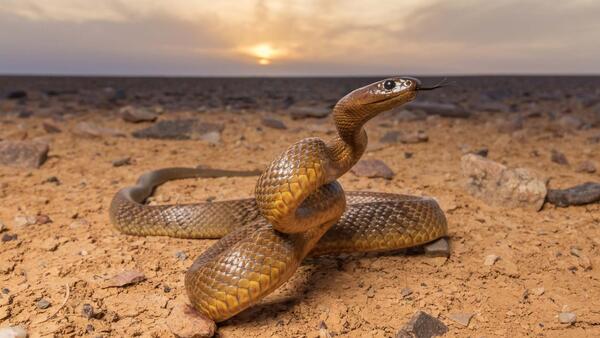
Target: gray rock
x: 401, y: 137
x: 567, y: 318
x: 42, y: 304
x: 17, y: 95
x: 558, y: 157
x: 137, y: 115
x: 461, y: 318
x: 578, y: 195
x: 13, y: 332
x: 498, y: 185
x: 50, y: 128
x: 121, y: 162
x: 183, y: 129
x: 273, y: 123
x: 441, y: 109
x: 570, y: 122
x: 181, y: 255
x: 372, y: 169
x: 302, y: 112
x: 422, y: 325
x: 23, y: 154
x: 91, y: 130
x: 438, y: 248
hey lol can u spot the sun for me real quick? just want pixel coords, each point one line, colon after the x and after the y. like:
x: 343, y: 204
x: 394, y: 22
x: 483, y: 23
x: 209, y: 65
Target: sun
x: 265, y: 53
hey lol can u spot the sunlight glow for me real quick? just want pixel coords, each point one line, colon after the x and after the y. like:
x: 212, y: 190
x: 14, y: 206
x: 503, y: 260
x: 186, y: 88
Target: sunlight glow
x: 265, y: 53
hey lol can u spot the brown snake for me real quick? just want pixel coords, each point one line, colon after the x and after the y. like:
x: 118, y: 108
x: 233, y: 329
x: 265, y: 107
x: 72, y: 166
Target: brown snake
x: 299, y: 208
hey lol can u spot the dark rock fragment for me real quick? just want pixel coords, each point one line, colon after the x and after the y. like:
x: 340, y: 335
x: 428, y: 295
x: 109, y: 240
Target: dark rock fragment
x: 578, y: 195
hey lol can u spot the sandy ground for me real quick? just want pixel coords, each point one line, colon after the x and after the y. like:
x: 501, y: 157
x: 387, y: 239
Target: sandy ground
x: 536, y: 277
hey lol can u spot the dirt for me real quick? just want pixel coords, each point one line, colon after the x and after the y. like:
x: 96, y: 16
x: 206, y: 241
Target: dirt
x: 547, y: 261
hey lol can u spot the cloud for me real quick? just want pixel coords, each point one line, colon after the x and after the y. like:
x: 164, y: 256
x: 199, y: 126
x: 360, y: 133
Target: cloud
x: 318, y: 36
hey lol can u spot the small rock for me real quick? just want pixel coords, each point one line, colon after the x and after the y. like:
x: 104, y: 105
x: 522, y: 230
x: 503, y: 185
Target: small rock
x: 3, y: 227
x: 370, y: 292
x: 461, y: 318
x: 498, y: 185
x: 50, y: 128
x: 372, y: 169
x: 125, y: 278
x: 410, y: 138
x: 50, y: 244
x: 21, y: 220
x: 490, y: 260
x: 578, y: 195
x: 439, y: 248
x: 52, y: 179
x: 185, y: 322
x: 567, y: 318
x: 87, y: 311
x: 559, y: 158
x: 441, y: 109
x: 137, y: 115
x: 8, y: 237
x: 90, y: 130
x: 23, y: 154
x: 302, y: 112
x: 42, y: 304
x: 13, y: 332
x: 181, y: 129
x: 16, y: 95
x: 570, y: 122
x: 42, y: 219
x: 586, y: 167
x: 323, y: 331
x: 180, y: 255
x: 538, y: 291
x: 422, y: 325
x: 273, y: 123
x: 6, y: 267
x: 121, y: 162
x: 405, y: 292
x: 213, y: 137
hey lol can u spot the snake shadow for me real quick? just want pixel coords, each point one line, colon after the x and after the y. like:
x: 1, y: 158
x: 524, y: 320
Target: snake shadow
x: 284, y: 300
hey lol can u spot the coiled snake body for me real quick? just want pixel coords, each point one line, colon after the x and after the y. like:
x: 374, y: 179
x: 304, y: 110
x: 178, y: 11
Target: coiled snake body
x: 299, y: 208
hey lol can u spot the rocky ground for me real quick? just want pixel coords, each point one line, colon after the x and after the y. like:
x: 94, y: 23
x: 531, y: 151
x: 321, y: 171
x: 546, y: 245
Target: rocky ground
x: 495, y: 152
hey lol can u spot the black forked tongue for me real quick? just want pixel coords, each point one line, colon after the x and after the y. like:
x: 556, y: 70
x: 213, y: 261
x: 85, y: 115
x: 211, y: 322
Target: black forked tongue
x: 441, y: 84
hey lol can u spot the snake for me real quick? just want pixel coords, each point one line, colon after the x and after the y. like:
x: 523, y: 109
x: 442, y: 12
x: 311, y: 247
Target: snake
x: 298, y: 209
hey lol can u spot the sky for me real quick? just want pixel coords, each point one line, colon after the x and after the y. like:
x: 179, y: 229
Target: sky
x: 299, y: 38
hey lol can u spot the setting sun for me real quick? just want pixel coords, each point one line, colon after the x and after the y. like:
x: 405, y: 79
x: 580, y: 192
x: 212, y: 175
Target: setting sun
x: 265, y: 53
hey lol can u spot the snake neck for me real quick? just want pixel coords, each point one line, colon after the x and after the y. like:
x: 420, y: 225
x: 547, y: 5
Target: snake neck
x: 351, y: 142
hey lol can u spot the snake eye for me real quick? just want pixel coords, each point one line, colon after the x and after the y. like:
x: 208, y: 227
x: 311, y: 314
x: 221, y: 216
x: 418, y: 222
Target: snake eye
x: 389, y: 84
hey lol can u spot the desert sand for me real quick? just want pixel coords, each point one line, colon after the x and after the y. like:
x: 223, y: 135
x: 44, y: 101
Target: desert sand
x: 59, y: 249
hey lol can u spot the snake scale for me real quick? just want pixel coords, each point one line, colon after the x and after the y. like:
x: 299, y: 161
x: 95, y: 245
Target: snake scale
x: 299, y: 209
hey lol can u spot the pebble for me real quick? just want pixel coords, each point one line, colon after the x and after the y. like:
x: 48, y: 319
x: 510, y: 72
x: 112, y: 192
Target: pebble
x: 302, y: 112
x: 13, y: 332
x: 567, y: 318
x: 23, y: 154
x: 538, y: 291
x: 586, y: 167
x: 50, y: 128
x: 499, y: 185
x: 125, y: 278
x: 578, y: 195
x: 406, y: 292
x: 372, y: 169
x: 87, y: 311
x: 422, y: 325
x: 91, y: 130
x: 273, y: 123
x: 22, y: 220
x: 409, y: 138
x: 121, y: 162
x: 461, y: 318
x: 42, y: 304
x: 180, y: 129
x: 8, y: 237
x: 42, y: 219
x: 185, y: 322
x: 181, y: 255
x: 490, y: 260
x: 558, y: 157
x: 439, y: 248
x: 137, y: 115
x: 50, y: 244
